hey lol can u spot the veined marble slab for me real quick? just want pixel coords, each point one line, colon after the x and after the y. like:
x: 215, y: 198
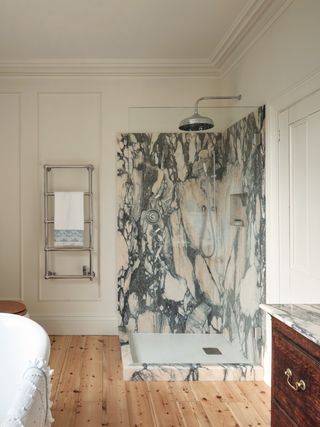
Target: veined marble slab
x: 191, y: 249
x: 303, y: 318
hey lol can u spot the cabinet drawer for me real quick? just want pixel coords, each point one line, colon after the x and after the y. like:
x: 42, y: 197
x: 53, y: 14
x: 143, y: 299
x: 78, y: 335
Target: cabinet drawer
x: 303, y: 407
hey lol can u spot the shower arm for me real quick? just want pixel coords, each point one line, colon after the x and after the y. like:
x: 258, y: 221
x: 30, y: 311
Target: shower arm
x: 203, y: 98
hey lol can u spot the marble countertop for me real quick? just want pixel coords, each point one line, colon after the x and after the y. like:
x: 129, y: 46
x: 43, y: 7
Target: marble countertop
x: 303, y: 318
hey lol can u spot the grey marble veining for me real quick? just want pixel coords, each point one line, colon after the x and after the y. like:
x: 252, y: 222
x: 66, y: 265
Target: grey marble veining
x: 191, y: 257
x: 303, y: 318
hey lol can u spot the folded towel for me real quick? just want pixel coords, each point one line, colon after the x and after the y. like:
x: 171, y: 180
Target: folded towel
x: 68, y: 218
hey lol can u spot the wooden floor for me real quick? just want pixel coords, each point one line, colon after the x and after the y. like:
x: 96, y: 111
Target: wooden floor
x: 88, y: 390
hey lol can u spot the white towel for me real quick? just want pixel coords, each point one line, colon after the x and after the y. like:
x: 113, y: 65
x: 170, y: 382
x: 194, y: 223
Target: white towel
x: 68, y: 218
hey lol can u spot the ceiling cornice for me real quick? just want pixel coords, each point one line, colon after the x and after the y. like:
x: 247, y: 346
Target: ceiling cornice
x: 87, y: 68
x: 238, y: 29
x: 254, y: 21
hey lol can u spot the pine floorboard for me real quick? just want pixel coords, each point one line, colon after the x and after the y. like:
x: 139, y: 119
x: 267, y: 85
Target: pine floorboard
x: 88, y: 390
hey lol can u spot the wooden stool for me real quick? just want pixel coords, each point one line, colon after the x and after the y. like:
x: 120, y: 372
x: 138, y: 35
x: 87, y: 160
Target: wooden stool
x: 13, y: 307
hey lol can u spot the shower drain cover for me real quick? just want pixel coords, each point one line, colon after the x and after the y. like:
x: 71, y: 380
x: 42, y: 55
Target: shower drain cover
x: 211, y: 350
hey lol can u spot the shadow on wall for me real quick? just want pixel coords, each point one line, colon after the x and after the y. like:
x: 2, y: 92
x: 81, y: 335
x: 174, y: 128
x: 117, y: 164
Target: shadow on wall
x: 191, y: 249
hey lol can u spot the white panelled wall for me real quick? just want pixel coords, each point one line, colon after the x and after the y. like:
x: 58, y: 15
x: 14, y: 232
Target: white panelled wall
x: 282, y: 67
x: 76, y: 119
x: 10, y: 232
x: 68, y: 120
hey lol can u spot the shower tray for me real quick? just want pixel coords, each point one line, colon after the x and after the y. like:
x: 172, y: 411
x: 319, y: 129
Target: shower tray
x: 184, y: 357
x: 173, y: 349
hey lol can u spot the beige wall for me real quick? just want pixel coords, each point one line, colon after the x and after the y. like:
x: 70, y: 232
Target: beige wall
x: 10, y: 195
x: 285, y: 55
x: 280, y: 68
x: 68, y: 121
x: 75, y: 120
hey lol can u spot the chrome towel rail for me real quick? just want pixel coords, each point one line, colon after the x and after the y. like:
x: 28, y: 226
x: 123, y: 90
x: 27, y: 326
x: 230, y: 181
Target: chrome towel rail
x: 86, y: 274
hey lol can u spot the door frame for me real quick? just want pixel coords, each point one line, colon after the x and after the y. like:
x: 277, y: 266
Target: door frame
x: 287, y: 99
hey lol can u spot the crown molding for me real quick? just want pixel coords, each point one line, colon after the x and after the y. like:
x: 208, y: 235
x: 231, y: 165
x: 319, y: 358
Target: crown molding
x: 247, y: 18
x: 255, y: 19
x: 96, y: 68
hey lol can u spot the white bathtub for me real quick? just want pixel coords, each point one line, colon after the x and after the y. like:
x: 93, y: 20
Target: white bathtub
x: 24, y: 345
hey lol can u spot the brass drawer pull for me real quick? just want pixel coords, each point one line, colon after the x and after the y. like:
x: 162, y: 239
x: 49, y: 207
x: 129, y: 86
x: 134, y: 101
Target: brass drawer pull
x: 299, y: 385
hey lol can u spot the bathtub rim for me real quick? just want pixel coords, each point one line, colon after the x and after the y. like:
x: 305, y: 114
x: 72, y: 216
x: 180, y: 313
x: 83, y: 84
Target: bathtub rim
x: 21, y: 322
x: 18, y: 333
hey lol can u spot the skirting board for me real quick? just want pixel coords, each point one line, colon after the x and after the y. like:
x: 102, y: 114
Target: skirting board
x: 77, y: 325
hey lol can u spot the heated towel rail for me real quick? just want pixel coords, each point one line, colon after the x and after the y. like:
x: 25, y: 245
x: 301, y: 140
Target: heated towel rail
x: 86, y: 274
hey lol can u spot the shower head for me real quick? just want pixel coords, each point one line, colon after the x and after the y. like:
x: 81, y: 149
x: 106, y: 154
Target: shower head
x: 196, y: 122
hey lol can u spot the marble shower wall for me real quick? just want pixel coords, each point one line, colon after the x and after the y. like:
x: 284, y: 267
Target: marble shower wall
x: 191, y: 251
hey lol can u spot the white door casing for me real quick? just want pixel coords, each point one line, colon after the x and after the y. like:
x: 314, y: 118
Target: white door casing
x: 299, y: 202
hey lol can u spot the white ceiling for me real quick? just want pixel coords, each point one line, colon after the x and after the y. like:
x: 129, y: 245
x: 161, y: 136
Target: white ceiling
x: 127, y: 31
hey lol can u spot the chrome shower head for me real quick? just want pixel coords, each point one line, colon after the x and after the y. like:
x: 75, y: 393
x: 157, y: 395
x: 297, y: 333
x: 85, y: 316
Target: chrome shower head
x: 197, y: 122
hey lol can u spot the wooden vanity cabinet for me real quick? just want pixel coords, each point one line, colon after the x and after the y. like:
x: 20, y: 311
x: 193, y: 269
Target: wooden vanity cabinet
x: 295, y: 388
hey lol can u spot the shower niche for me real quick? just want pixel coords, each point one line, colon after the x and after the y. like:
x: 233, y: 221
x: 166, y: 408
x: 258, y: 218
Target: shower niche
x: 238, y: 204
